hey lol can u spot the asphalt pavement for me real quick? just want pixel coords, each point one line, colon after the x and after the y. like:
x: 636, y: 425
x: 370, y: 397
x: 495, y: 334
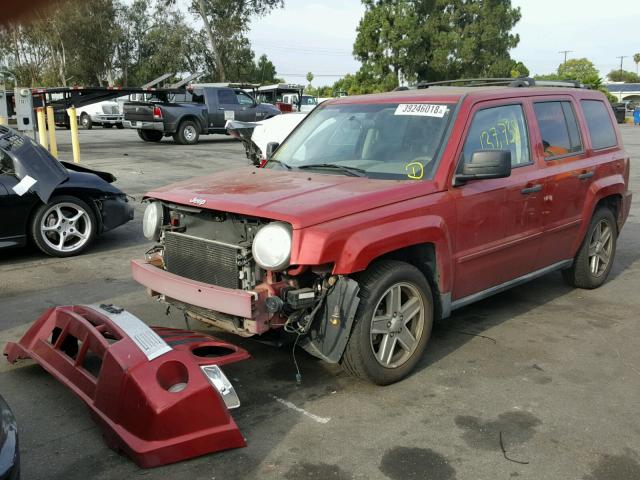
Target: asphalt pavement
x: 540, y: 382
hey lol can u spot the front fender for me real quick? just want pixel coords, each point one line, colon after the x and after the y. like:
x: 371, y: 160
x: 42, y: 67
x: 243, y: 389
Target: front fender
x: 352, y: 245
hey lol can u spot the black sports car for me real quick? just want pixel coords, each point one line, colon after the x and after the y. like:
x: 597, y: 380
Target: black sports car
x: 60, y: 206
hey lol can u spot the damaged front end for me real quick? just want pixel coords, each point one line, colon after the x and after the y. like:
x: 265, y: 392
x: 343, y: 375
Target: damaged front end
x: 232, y: 272
x: 158, y: 393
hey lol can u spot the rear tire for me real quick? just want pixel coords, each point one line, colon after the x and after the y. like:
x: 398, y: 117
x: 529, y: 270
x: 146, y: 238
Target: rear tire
x: 119, y: 126
x: 85, y: 121
x: 188, y: 133
x: 107, y: 125
x: 392, y: 324
x: 594, y: 260
x: 150, y: 135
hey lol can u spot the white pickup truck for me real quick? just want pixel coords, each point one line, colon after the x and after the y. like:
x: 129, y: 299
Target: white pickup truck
x: 107, y: 114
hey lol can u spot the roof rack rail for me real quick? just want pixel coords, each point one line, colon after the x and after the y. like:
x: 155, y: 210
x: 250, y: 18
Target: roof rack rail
x: 507, y: 82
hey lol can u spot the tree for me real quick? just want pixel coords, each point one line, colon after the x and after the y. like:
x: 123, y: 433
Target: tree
x: 623, y: 76
x: 636, y: 59
x: 309, y: 78
x: 577, y: 69
x: 436, y: 39
x: 226, y: 22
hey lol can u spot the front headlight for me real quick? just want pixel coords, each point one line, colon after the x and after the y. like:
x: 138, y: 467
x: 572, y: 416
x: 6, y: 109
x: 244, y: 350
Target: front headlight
x: 153, y: 221
x: 272, y: 246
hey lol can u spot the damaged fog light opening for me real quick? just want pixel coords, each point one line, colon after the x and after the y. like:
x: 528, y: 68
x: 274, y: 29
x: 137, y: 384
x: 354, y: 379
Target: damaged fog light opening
x: 222, y: 384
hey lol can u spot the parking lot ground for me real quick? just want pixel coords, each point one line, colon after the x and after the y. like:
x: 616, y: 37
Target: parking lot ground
x: 540, y: 382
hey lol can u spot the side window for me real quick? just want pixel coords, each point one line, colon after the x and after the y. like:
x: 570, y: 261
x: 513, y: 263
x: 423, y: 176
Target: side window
x: 197, y: 96
x: 499, y: 128
x: 227, y: 97
x: 599, y: 124
x: 6, y: 164
x: 558, y: 128
x: 244, y: 99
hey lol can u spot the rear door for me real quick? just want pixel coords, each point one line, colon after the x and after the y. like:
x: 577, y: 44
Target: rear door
x: 569, y: 172
x: 499, y: 220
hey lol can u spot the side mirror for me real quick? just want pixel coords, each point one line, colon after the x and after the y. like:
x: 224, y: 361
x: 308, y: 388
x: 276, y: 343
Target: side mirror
x: 486, y: 164
x: 271, y: 149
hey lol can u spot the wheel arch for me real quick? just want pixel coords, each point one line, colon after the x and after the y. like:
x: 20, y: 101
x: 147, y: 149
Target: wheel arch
x: 83, y: 195
x: 607, y: 191
x: 194, y: 118
x: 424, y: 257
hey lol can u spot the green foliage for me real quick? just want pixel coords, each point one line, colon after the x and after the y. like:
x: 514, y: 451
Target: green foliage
x: 226, y: 23
x: 128, y: 43
x: 623, y: 76
x: 577, y: 69
x: 435, y: 40
x: 636, y: 60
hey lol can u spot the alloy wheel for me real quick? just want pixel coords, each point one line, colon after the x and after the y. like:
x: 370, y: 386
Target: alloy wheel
x: 66, y: 227
x: 600, y: 248
x: 397, y: 325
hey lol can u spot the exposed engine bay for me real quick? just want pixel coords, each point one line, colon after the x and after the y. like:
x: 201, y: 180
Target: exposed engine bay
x: 239, y: 252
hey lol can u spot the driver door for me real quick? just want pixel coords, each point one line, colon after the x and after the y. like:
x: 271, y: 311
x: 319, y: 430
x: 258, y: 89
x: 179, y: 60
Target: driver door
x: 14, y: 210
x: 247, y: 110
x: 500, y: 221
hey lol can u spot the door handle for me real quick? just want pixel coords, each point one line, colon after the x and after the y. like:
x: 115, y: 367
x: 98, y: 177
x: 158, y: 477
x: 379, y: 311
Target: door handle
x: 585, y: 175
x: 533, y: 189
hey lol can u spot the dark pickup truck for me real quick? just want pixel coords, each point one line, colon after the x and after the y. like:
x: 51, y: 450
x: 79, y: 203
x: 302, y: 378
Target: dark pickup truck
x: 201, y: 110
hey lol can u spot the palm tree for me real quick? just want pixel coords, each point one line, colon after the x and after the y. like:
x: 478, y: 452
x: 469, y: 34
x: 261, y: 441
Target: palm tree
x: 636, y: 58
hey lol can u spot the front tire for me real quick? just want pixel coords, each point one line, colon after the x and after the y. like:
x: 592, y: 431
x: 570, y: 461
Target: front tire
x: 594, y: 260
x: 150, y: 135
x: 187, y: 133
x: 392, y: 324
x: 85, y: 121
x: 64, y: 227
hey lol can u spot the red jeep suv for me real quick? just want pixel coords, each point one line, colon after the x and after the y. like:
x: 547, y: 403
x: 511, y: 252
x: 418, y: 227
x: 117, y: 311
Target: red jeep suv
x: 382, y: 213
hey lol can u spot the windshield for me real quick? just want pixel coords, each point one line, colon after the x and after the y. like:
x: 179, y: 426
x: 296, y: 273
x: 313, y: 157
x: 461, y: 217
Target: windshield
x: 306, y: 100
x: 390, y: 140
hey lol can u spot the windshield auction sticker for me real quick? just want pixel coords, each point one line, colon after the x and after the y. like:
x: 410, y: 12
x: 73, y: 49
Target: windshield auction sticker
x: 422, y: 110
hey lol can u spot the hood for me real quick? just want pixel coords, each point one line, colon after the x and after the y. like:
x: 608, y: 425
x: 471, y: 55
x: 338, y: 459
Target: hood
x: 299, y: 198
x: 31, y: 160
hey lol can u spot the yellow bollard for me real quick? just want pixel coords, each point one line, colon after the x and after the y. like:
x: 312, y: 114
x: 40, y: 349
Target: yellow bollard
x: 42, y: 128
x: 51, y: 124
x: 75, y: 143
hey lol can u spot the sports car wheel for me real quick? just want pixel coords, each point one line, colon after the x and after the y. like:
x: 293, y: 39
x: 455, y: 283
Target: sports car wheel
x: 63, y: 227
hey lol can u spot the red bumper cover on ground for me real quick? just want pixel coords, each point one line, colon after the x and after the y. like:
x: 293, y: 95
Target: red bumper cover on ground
x: 145, y: 386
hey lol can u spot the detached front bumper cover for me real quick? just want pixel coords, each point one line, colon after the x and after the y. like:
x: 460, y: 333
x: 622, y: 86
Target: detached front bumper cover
x: 158, y: 393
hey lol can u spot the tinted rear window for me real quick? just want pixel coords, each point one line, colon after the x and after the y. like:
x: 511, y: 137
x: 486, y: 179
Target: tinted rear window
x: 599, y: 123
x: 558, y: 128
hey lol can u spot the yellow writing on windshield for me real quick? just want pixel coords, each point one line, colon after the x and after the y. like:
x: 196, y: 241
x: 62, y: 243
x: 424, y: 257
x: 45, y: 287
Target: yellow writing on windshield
x: 415, y: 170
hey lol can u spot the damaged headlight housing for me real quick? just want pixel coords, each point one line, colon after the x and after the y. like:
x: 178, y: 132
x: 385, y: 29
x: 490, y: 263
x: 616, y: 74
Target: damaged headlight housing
x: 153, y: 221
x: 272, y: 246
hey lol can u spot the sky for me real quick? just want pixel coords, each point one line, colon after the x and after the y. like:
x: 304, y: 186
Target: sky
x: 318, y: 36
